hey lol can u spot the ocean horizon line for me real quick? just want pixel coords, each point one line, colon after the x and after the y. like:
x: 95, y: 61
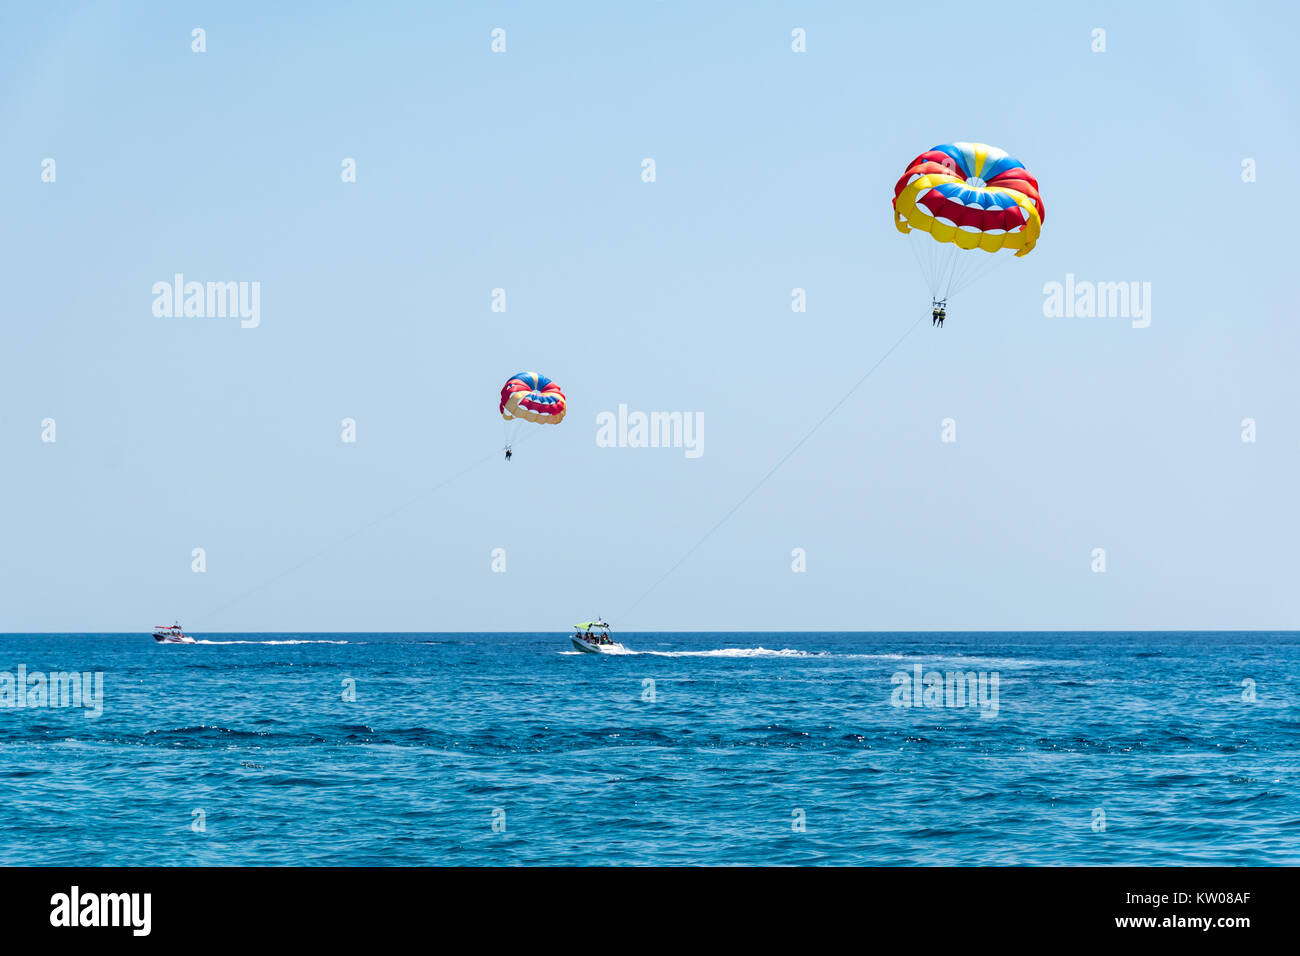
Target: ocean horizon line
x: 700, y: 630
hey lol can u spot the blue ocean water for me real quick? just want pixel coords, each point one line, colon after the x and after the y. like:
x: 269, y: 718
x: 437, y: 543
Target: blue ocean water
x: 702, y: 748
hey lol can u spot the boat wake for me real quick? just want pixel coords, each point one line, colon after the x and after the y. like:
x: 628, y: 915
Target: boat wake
x: 719, y: 652
x: 272, y: 642
x: 741, y: 652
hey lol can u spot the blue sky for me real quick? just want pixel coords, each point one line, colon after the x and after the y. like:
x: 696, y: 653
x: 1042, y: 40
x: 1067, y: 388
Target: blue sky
x: 522, y: 171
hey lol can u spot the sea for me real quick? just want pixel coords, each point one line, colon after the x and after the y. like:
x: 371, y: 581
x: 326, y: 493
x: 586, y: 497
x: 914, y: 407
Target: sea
x: 749, y: 749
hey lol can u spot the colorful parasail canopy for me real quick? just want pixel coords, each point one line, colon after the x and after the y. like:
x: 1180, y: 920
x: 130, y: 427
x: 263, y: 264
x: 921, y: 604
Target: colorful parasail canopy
x: 972, y: 195
x: 532, y: 397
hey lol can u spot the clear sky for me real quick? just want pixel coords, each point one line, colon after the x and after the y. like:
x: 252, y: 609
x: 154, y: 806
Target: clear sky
x: 522, y: 171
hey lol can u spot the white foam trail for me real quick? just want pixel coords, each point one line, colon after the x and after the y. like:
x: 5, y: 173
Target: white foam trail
x: 929, y: 661
x: 719, y: 652
x: 272, y: 642
x: 741, y: 652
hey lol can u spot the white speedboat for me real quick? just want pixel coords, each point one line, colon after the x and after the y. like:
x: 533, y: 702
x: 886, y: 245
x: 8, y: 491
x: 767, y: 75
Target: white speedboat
x: 592, y: 637
x: 172, y: 635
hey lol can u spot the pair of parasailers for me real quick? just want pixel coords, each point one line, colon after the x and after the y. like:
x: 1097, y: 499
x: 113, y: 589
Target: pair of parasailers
x: 937, y: 310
